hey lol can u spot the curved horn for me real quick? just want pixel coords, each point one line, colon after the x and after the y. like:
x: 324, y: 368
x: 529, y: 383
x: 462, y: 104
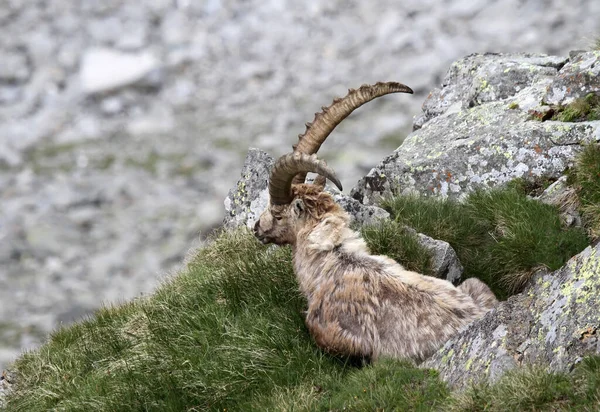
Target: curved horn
x: 288, y: 166
x: 316, y: 132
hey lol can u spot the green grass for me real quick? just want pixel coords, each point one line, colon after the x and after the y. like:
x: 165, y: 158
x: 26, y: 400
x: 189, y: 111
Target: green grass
x: 500, y: 236
x: 228, y: 334
x: 586, y: 178
x: 387, y: 385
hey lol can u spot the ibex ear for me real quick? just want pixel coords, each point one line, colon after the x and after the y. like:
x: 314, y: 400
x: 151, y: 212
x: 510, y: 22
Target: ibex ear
x: 298, y: 207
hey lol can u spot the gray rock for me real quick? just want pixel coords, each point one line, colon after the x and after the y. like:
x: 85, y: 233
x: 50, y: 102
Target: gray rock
x: 553, y: 323
x: 482, y: 78
x: 461, y: 149
x: 6, y: 382
x: 444, y: 261
x: 361, y: 214
x: 104, y: 70
x: 564, y: 197
x: 250, y: 197
x: 579, y: 77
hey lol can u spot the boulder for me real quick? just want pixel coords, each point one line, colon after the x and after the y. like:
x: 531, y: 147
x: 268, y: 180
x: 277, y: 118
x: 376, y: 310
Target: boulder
x: 579, y: 77
x: 444, y: 261
x: 247, y: 200
x: 6, y: 379
x: 362, y: 215
x: 483, y: 78
x: 478, y: 132
x: 564, y: 197
x: 554, y: 322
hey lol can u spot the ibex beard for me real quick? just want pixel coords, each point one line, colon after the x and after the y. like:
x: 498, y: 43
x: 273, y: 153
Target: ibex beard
x: 359, y: 304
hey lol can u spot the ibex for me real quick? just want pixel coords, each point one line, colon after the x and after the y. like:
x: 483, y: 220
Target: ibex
x: 359, y: 304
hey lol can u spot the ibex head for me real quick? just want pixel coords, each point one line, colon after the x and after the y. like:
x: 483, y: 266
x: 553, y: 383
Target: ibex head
x: 293, y: 203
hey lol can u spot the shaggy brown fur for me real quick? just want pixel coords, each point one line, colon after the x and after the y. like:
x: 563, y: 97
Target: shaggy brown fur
x: 360, y: 304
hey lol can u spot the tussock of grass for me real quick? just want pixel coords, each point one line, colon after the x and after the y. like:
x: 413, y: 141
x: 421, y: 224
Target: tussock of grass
x: 586, y: 176
x: 400, y: 243
x: 500, y: 236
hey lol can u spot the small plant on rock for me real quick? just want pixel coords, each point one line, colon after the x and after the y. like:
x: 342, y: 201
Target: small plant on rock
x: 583, y: 109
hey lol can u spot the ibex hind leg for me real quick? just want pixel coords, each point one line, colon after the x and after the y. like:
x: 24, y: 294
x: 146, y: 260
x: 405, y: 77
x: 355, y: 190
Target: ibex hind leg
x: 480, y: 292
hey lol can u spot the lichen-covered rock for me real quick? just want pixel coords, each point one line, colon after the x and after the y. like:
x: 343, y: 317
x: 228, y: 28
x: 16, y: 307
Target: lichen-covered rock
x: 444, y: 261
x: 362, y: 215
x: 554, y: 322
x: 576, y: 79
x: 474, y: 139
x: 482, y: 78
x: 6, y: 380
x: 564, y: 197
x: 250, y: 197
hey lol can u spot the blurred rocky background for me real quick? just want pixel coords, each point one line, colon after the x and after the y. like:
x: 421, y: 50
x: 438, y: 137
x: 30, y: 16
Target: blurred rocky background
x: 123, y: 124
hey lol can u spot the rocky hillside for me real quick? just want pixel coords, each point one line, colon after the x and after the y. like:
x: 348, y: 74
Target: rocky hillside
x: 123, y: 124
x: 497, y: 119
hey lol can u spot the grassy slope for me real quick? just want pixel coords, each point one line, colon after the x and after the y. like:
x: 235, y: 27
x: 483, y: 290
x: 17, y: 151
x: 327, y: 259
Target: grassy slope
x: 227, y: 333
